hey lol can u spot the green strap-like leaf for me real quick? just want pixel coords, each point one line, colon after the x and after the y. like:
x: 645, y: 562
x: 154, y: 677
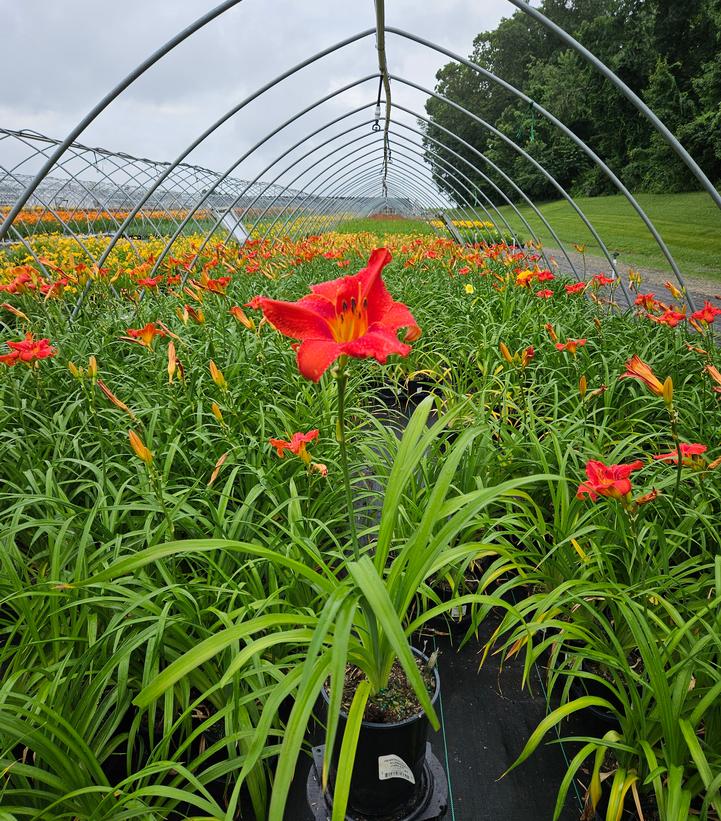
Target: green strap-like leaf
x: 554, y: 718
x: 347, y: 750
x: 376, y: 595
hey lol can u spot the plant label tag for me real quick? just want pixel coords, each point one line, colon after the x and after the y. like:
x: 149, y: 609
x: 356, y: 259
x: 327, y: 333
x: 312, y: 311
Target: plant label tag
x: 392, y: 766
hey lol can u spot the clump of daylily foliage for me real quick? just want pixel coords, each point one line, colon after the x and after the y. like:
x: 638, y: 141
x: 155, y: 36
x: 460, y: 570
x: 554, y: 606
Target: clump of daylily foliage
x: 208, y: 395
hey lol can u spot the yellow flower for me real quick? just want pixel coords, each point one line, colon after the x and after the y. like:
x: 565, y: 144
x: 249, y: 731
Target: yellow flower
x: 468, y: 288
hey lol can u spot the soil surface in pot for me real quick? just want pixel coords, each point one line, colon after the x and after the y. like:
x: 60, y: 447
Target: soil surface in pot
x: 393, y: 703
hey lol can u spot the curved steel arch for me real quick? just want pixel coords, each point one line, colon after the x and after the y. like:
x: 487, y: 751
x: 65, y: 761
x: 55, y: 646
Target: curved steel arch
x: 568, y: 133
x: 561, y: 190
x: 627, y: 92
x: 108, y: 98
x: 419, y: 153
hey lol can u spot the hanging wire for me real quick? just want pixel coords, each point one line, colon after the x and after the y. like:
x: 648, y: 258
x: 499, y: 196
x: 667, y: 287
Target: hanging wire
x: 386, y: 83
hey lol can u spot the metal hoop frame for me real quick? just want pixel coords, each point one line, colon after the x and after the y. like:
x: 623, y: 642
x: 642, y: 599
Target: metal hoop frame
x: 146, y: 181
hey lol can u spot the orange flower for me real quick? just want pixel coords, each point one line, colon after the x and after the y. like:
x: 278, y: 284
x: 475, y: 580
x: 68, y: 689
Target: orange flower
x: 570, y: 345
x: 636, y: 368
x: 551, y: 332
x: 145, y: 335
x: 676, y: 293
x: 296, y: 446
x: 546, y: 293
x: 141, y: 451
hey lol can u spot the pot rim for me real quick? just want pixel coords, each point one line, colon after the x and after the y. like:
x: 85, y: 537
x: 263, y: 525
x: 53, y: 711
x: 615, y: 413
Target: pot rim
x: 395, y: 724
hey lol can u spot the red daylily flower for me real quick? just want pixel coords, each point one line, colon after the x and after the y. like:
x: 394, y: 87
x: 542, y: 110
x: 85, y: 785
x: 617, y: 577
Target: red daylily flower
x: 576, y: 288
x: 648, y: 301
x: 544, y: 276
x: 544, y: 294
x: 296, y: 446
x: 668, y: 317
x: 707, y: 314
x: 27, y: 351
x: 607, y: 480
x: 688, y: 455
x: 352, y: 316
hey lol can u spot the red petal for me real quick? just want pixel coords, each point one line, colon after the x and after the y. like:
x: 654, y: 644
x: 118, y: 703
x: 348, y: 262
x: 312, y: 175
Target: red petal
x: 316, y: 355
x: 296, y: 319
x: 397, y: 316
x: 378, y: 343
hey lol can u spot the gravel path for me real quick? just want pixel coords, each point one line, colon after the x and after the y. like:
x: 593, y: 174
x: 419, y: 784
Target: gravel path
x: 699, y: 288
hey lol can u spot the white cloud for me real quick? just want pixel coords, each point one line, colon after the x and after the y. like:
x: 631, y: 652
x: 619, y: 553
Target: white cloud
x: 64, y: 56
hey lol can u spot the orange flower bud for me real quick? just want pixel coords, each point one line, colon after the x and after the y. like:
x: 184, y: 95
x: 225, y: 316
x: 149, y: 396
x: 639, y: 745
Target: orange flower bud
x: 74, y: 370
x: 92, y: 367
x: 505, y: 353
x: 244, y: 320
x: 141, y: 451
x: 582, y: 385
x: 172, y: 362
x: 217, y: 376
x: 218, y: 466
x: 551, y: 332
x: 215, y: 408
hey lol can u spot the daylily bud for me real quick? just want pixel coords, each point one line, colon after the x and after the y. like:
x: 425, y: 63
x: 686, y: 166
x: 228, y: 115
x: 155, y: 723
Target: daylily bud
x: 505, y: 353
x: 74, y: 370
x: 141, y: 451
x: 668, y: 391
x: 215, y: 408
x: 172, y: 362
x: 319, y: 468
x: 527, y: 356
x: 551, y: 332
x: 217, y: 376
x: 92, y: 367
x: 241, y: 316
x: 647, y: 497
x: 582, y: 385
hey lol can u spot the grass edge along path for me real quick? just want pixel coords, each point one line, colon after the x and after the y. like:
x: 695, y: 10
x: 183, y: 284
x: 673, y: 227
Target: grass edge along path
x: 689, y: 223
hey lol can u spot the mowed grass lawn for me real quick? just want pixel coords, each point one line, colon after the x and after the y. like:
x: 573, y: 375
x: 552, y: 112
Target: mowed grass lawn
x: 690, y: 224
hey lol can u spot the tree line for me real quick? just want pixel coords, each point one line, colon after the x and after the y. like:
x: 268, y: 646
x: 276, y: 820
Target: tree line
x: 667, y: 51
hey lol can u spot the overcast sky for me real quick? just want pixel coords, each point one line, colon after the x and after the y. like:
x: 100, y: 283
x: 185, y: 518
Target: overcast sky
x: 61, y: 56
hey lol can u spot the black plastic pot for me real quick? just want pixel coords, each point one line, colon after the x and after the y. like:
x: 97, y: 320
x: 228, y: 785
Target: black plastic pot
x: 390, y: 776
